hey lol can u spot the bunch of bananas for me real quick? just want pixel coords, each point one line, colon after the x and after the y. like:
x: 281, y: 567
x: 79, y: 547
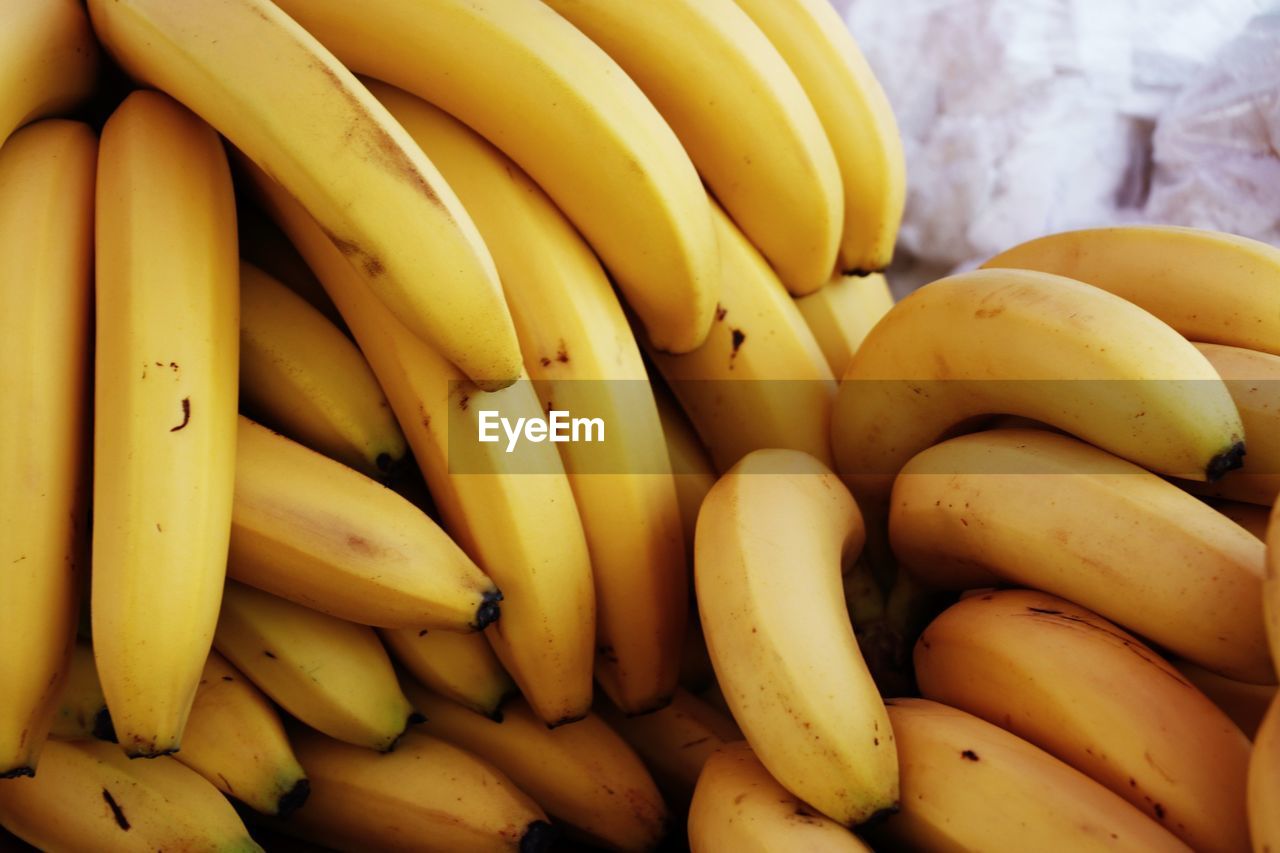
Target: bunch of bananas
x: 264, y: 268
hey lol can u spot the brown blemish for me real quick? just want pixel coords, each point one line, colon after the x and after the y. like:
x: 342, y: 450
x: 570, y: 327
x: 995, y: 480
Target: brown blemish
x: 720, y: 312
x: 1159, y: 810
x: 359, y: 543
x: 422, y: 633
x: 738, y: 336
x: 186, y: 415
x: 116, y: 811
x: 227, y: 678
x: 607, y: 653
x: 464, y: 401
x: 562, y: 354
x: 269, y: 654
x: 969, y: 755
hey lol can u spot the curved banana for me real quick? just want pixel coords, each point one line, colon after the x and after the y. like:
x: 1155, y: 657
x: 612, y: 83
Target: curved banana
x: 1095, y: 697
x: 583, y: 774
x: 856, y: 116
x: 82, y: 710
x: 165, y: 411
x: 461, y: 667
x: 773, y: 536
x: 332, y: 675
x: 1210, y: 286
x: 1246, y: 704
x: 300, y: 373
x: 1264, y: 784
x: 738, y: 806
x: 49, y: 60
x: 599, y: 148
x: 843, y: 313
x: 316, y: 532
x: 1042, y: 510
x: 89, y: 796
x: 46, y: 268
x: 690, y: 463
x: 514, y: 514
x: 280, y: 97
x: 968, y: 785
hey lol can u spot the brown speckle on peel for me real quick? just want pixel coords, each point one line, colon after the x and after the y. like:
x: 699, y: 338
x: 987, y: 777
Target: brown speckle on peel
x: 969, y: 755
x: 464, y: 401
x: 227, y: 678
x: 737, y: 336
x: 544, y: 361
x: 562, y: 354
x: 116, y: 811
x: 1159, y: 810
x: 422, y: 633
x: 720, y: 312
x: 269, y: 654
x: 186, y: 415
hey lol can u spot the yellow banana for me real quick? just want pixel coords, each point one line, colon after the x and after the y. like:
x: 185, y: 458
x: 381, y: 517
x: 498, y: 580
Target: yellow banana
x: 298, y: 372
x: 1210, y: 286
x: 856, y: 116
x: 1037, y: 509
x: 280, y: 97
x: 332, y: 675
x: 1244, y: 703
x: 1264, y: 784
x: 165, y: 415
x: 843, y: 313
x: 583, y: 774
x: 46, y: 251
x: 760, y: 380
x: 773, y: 536
x: 690, y: 464
x: 1095, y: 697
x: 49, y: 60
x: 91, y: 798
x: 461, y: 667
x: 514, y: 514
x: 82, y: 710
x: 738, y: 806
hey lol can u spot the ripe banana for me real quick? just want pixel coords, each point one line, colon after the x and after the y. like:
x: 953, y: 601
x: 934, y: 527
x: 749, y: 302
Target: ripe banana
x: 280, y: 97
x: 316, y: 532
x: 841, y: 314
x: 1264, y: 784
x: 740, y: 112
x: 1244, y: 703
x: 599, y: 148
x: 738, y: 806
x: 581, y: 357
x: 690, y: 464
x: 82, y: 710
x: 461, y: 667
x: 1037, y: 509
x: 773, y: 536
x: 427, y: 796
x: 968, y: 785
x: 298, y: 372
x: 1210, y: 286
x: 760, y: 380
x: 46, y: 251
x: 583, y: 774
x: 90, y: 796
x: 332, y: 675
x: 1095, y: 697
x: 49, y: 60
x: 514, y: 514
x: 165, y: 414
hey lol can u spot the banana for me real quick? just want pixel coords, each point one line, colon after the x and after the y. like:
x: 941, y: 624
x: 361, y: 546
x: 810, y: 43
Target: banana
x: 1271, y: 588
x: 968, y: 785
x: 843, y: 313
x: 1036, y: 509
x: 1244, y: 703
x: 760, y: 380
x: 280, y: 97
x: 234, y: 738
x: 1264, y: 784
x: 49, y: 60
x: 300, y: 373
x: 581, y: 357
x: 514, y: 514
x: 1095, y: 697
x: 82, y: 709
x: 427, y: 796
x: 742, y: 116
x: 46, y: 251
x: 690, y: 463
x: 773, y: 536
x: 856, y: 116
x: 89, y: 796
x: 461, y: 667
x: 316, y: 532
x: 165, y: 411
x: 332, y: 675
x: 583, y: 774
x: 1210, y: 286
x: 738, y: 806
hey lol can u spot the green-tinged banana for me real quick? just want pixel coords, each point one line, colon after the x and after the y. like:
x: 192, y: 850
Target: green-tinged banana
x: 773, y: 537
x: 428, y: 796
x: 1042, y: 510
x: 46, y: 268
x: 49, y: 60
x: 760, y: 380
x: 1264, y: 784
x: 461, y: 667
x: 969, y: 785
x: 1095, y: 697
x: 843, y: 313
x: 1244, y: 703
x: 738, y: 806
x: 90, y: 797
x: 584, y: 774
x: 299, y: 373
x: 856, y: 116
x: 82, y: 709
x: 321, y: 534
x: 280, y: 97
x: 690, y: 463
x: 167, y: 363
x: 514, y: 514
x: 330, y: 674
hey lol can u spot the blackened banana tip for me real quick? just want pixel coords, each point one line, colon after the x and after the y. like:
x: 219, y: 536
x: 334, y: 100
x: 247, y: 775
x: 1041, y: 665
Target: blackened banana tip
x: 18, y: 772
x: 489, y: 611
x: 1230, y: 459
x: 293, y: 799
x: 538, y: 837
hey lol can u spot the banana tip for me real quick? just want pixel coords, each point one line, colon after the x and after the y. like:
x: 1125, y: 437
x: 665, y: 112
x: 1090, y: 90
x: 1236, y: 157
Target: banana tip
x: 538, y: 836
x: 1228, y: 460
x: 879, y: 817
x: 103, y: 728
x: 18, y: 772
x: 293, y: 799
x: 488, y: 611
